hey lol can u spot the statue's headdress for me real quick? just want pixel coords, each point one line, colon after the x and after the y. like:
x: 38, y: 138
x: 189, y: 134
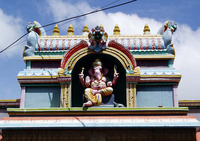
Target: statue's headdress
x: 97, y: 63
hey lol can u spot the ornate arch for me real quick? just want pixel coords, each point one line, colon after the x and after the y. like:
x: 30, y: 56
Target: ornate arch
x: 114, y: 49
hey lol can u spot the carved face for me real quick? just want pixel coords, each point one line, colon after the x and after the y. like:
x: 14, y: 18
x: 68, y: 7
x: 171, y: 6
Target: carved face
x: 97, y: 33
x: 97, y: 71
x: 173, y: 26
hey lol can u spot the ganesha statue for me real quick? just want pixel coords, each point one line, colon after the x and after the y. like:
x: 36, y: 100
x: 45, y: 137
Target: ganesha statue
x: 97, y: 85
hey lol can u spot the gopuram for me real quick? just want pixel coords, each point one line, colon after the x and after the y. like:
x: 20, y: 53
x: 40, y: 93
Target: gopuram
x: 99, y: 87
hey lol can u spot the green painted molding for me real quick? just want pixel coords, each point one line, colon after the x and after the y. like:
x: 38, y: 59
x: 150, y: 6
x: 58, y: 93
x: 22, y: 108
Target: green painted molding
x: 170, y: 63
x: 89, y: 111
x: 131, y: 82
x: 51, y: 53
x: 81, y: 109
x: 136, y: 52
x: 28, y: 64
x: 150, y: 52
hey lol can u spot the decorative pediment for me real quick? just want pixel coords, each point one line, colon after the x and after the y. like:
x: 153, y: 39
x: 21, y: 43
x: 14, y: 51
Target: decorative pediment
x: 80, y: 50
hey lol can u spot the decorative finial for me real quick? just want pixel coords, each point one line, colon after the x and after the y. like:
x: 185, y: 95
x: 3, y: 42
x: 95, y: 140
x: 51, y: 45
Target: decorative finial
x: 146, y: 29
x: 70, y: 30
x: 116, y: 30
x: 101, y: 26
x: 56, y: 30
x: 85, y: 30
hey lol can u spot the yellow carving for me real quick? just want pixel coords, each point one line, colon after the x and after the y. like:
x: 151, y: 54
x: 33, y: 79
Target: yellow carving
x: 101, y: 26
x: 134, y: 95
x: 146, y: 29
x: 110, y: 36
x: 29, y: 77
x: 65, y: 96
x: 56, y: 30
x: 165, y: 26
x: 137, y: 70
x: 86, y: 29
x: 131, y: 95
x: 24, y: 50
x: 173, y: 49
x: 116, y: 30
x: 43, y: 57
x: 70, y: 30
x: 153, y: 57
x: 60, y: 71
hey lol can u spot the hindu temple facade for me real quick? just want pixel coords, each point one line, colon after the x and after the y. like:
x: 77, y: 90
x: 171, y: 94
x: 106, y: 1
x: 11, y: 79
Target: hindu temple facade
x: 137, y: 87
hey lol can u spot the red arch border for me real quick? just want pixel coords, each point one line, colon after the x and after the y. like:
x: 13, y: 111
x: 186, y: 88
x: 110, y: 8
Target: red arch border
x: 123, y: 49
x: 83, y: 44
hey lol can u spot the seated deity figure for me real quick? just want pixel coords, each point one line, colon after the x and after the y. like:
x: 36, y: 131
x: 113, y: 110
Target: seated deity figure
x: 96, y: 86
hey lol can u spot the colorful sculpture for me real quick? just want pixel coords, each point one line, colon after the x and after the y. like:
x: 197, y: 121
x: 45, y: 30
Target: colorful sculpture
x: 98, y: 39
x: 35, y: 30
x: 167, y: 30
x: 96, y: 86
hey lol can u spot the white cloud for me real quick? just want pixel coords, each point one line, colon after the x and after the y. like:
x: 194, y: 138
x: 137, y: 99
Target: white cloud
x: 63, y: 9
x: 11, y: 29
x: 128, y: 23
x: 186, y: 41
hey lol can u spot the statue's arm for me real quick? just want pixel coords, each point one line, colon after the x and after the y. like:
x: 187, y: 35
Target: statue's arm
x: 87, y: 81
x: 116, y: 75
x: 81, y: 77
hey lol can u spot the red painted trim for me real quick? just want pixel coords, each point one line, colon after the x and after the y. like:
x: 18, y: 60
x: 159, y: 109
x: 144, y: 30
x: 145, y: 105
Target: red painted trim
x: 120, y: 47
x: 82, y: 44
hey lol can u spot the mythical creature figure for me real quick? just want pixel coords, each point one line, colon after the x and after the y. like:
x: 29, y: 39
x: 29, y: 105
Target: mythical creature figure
x: 97, y: 39
x: 96, y: 86
x: 167, y: 31
x: 35, y: 30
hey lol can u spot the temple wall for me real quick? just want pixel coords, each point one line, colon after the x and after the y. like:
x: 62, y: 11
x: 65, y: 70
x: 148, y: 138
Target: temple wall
x: 154, y: 96
x: 42, y: 97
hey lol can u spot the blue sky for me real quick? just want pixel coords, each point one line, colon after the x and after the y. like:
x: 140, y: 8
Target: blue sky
x: 15, y: 14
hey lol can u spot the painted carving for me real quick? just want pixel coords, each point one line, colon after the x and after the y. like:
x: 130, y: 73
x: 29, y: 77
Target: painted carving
x: 167, y: 31
x: 97, y: 85
x: 35, y: 30
x: 97, y: 39
x: 64, y: 72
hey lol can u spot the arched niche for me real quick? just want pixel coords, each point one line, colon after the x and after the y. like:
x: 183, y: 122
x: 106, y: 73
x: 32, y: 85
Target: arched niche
x: 108, y: 62
x: 114, y: 49
x: 81, y: 56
